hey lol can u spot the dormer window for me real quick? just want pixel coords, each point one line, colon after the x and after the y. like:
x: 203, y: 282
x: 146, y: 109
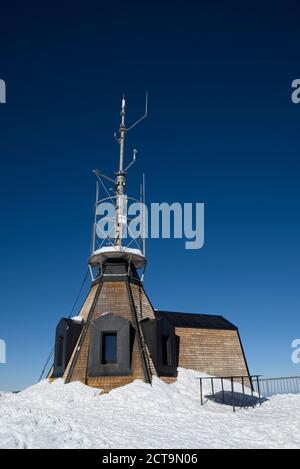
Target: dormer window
x: 110, y: 347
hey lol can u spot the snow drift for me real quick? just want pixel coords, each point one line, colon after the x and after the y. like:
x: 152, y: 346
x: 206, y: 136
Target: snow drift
x: 138, y: 415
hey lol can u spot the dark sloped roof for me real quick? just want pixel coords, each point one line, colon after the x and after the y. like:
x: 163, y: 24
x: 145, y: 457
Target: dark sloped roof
x: 201, y: 321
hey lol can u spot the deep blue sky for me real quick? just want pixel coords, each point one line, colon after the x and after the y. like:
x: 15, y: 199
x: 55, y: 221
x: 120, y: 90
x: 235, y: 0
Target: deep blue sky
x: 222, y: 130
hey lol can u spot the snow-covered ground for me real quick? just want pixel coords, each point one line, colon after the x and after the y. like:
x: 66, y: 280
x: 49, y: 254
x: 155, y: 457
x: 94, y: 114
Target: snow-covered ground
x: 142, y: 416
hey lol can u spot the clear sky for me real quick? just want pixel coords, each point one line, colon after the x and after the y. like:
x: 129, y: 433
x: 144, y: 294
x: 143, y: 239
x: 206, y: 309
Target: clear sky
x: 221, y: 130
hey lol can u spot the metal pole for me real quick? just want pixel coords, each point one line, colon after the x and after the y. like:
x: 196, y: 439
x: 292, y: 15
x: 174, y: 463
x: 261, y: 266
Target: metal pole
x: 212, y: 387
x: 122, y: 135
x: 95, y: 217
x: 258, y: 389
x: 232, y: 395
x: 120, y: 181
x: 201, y: 394
x: 243, y: 388
x: 223, y: 395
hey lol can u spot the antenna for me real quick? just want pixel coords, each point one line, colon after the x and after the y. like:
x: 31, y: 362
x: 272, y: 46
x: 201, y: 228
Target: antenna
x: 143, y: 116
x: 95, y: 218
x: 144, y: 215
x: 121, y: 176
x: 120, y: 199
x: 123, y: 129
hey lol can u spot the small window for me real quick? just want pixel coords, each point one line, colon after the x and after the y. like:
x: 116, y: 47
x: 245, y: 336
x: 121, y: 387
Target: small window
x: 109, y: 347
x: 165, y: 345
x: 59, y: 350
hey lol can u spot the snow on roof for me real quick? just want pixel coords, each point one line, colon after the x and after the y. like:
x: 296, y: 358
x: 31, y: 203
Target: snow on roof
x: 78, y: 319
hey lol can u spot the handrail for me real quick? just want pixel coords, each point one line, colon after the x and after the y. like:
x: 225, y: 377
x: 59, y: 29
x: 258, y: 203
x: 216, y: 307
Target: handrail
x: 231, y: 379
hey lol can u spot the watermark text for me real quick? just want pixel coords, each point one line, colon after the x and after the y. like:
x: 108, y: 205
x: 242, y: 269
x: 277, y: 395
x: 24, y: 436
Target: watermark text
x: 296, y: 353
x: 2, y: 92
x: 295, y: 96
x: 161, y: 220
x: 2, y: 351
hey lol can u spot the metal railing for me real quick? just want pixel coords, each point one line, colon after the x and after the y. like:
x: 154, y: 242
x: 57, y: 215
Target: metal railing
x: 284, y: 385
x: 246, y: 391
x: 240, y: 393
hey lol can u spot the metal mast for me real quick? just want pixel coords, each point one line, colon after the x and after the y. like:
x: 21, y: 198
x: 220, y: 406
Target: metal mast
x: 113, y: 244
x: 121, y: 179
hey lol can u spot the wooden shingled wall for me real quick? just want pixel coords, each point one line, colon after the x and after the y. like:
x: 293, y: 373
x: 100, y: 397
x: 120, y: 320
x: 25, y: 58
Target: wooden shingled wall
x: 212, y: 351
x: 112, y: 297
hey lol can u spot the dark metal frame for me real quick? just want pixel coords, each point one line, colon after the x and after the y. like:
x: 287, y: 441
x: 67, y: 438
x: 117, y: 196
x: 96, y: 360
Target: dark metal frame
x: 232, y: 380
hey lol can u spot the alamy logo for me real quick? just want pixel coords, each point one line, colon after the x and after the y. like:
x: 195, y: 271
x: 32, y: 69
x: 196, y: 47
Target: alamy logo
x: 2, y: 92
x: 296, y: 352
x: 2, y: 351
x: 295, y: 96
x: 161, y: 220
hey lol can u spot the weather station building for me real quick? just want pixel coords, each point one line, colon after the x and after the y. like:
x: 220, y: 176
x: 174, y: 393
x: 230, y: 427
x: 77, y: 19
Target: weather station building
x: 118, y: 336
